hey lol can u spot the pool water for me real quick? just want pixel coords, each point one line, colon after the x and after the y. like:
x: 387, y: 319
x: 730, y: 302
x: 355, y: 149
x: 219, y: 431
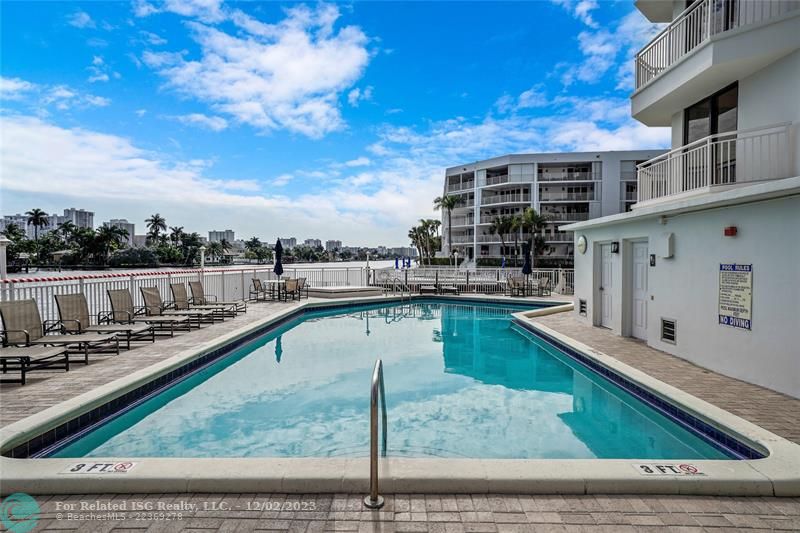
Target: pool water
x: 461, y: 381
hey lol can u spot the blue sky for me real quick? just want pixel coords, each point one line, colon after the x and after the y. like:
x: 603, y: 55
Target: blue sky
x: 314, y: 120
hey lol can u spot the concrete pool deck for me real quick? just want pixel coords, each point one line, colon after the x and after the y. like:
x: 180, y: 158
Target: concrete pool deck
x: 42, y: 392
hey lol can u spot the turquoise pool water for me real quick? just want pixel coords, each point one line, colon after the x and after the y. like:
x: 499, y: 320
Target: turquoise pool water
x: 461, y: 381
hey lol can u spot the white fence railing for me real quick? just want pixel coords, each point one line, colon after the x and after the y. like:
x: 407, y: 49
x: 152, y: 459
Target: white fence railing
x: 696, y: 25
x: 566, y: 217
x: 454, y: 187
x: 721, y: 159
x: 226, y: 284
x: 480, y: 280
x: 545, y: 196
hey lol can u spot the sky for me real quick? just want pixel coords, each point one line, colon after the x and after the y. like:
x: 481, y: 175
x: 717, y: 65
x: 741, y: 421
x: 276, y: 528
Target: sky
x: 323, y: 120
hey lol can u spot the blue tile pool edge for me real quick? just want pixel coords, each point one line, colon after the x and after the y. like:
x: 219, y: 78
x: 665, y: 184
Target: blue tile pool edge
x: 708, y: 432
x: 67, y: 432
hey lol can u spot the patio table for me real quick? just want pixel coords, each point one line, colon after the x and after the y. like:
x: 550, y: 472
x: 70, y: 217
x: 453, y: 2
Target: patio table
x: 273, y: 284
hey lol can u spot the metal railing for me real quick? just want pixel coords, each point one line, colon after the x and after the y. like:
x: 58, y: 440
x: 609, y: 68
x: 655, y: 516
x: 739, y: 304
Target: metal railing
x: 463, y: 239
x: 226, y: 284
x: 377, y: 395
x: 463, y: 221
x: 566, y: 196
x: 496, y: 180
x: 559, y: 237
x: 721, y: 159
x: 481, y: 280
x: 566, y: 217
x: 504, y: 198
x: 508, y: 238
x: 696, y: 25
x: 564, y: 176
x: 453, y: 187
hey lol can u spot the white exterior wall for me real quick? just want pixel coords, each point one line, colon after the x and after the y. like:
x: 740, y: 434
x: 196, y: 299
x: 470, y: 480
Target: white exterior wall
x: 685, y: 288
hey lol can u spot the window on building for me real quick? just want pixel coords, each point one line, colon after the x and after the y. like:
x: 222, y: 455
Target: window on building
x: 715, y: 114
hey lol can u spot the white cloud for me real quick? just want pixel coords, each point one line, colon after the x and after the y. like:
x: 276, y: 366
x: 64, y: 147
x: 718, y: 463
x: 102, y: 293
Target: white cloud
x: 357, y: 95
x: 64, y: 98
x: 81, y: 19
x: 358, y: 162
x: 14, y: 88
x: 282, y: 180
x: 210, y: 11
x: 204, y: 121
x: 532, y: 98
x: 140, y: 112
x: 152, y: 38
x: 287, y: 75
x: 580, y: 9
x: 100, y: 71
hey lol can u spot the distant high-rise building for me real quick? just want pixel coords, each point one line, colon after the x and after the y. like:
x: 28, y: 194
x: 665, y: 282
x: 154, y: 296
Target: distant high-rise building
x: 140, y: 241
x: 403, y: 251
x: 313, y: 243
x: 218, y: 236
x: 123, y: 223
x: 331, y: 246
x: 288, y: 242
x: 80, y: 217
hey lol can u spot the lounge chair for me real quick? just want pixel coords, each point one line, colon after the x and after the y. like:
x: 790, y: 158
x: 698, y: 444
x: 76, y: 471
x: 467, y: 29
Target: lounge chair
x: 155, y: 306
x: 199, y: 297
x: 124, y: 312
x: 428, y: 289
x: 23, y: 326
x: 31, y: 358
x: 291, y: 288
x: 258, y: 290
x: 73, y: 312
x: 448, y: 289
x: 180, y: 302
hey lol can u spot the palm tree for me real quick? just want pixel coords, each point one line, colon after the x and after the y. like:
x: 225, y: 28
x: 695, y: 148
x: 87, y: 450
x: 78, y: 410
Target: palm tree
x: 501, y: 226
x: 415, y: 236
x: 156, y: 224
x: 110, y: 238
x: 253, y: 244
x: 176, y: 234
x: 532, y: 223
x: 516, y: 229
x: 214, y: 249
x: 448, y: 203
x: 38, y: 219
x: 67, y: 230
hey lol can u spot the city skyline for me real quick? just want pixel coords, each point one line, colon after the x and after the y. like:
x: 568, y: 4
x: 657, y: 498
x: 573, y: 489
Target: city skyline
x: 101, y: 89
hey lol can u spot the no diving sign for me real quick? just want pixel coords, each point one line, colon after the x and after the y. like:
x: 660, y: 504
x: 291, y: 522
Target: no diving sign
x: 99, y: 468
x: 668, y: 469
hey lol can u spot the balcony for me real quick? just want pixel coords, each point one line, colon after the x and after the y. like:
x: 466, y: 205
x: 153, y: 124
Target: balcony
x: 723, y: 159
x: 564, y: 176
x: 545, y: 196
x: 496, y: 180
x: 487, y: 238
x: 710, y: 45
x: 462, y: 221
x: 566, y: 217
x: 561, y: 236
x: 455, y: 187
x: 463, y: 239
x: 505, y: 199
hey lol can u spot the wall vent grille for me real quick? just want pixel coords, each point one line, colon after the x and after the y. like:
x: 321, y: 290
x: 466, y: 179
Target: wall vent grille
x: 669, y: 330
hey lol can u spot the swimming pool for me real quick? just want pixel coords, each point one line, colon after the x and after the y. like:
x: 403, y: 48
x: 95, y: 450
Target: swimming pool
x: 462, y: 380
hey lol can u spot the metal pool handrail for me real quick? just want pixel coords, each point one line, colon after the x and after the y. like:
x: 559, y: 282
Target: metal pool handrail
x: 377, y: 393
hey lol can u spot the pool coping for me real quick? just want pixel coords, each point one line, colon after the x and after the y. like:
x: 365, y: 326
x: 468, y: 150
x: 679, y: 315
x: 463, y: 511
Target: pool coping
x: 777, y: 474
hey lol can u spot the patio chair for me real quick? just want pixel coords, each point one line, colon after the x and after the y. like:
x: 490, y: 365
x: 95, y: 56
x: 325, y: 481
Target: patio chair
x: 291, y: 288
x: 515, y: 286
x: 258, y: 290
x: 199, y: 297
x: 302, y: 285
x: 180, y: 301
x: 23, y: 326
x: 545, y: 287
x: 155, y: 306
x: 31, y: 358
x: 73, y: 312
x: 124, y: 312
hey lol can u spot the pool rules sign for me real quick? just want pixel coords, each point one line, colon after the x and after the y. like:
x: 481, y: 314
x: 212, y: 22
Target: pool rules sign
x: 736, y: 295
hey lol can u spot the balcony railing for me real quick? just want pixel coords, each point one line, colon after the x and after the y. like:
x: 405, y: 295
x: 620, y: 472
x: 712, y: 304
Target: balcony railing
x: 561, y: 236
x: 505, y: 198
x: 462, y: 221
x: 564, y: 176
x: 454, y: 187
x: 697, y: 24
x: 566, y: 196
x: 509, y: 238
x: 722, y: 159
x: 566, y: 217
x: 496, y: 180
x: 463, y: 239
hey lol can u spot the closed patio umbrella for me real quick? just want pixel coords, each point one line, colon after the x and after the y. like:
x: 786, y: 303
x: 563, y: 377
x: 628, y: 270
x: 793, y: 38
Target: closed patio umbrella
x: 278, y: 254
x: 526, y: 266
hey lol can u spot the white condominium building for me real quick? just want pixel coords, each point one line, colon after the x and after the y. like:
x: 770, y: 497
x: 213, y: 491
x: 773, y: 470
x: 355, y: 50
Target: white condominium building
x: 333, y: 245
x: 80, y: 217
x: 566, y: 187
x: 218, y: 236
x: 705, y: 266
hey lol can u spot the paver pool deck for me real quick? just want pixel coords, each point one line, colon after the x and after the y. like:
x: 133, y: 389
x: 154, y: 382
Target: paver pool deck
x: 403, y: 512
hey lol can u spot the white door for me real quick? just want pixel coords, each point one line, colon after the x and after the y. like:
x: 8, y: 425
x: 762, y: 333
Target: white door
x: 605, y: 285
x: 639, y: 291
